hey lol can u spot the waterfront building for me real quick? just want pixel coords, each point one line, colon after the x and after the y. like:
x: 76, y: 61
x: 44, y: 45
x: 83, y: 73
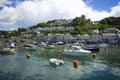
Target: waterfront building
x: 110, y: 37
x: 112, y: 30
x: 67, y: 37
x: 95, y: 38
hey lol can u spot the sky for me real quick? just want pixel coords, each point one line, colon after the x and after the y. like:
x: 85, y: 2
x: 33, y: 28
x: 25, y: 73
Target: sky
x: 16, y: 14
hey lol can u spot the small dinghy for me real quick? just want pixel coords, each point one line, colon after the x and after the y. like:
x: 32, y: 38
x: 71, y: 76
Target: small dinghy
x: 56, y: 62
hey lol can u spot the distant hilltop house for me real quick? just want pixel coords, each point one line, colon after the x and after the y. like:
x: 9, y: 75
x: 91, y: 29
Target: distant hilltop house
x: 93, y: 31
x: 95, y: 22
x: 112, y: 30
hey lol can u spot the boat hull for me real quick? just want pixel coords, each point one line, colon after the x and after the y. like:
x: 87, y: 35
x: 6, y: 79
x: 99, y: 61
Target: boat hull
x: 55, y: 62
x: 76, y: 53
x: 30, y: 49
x: 92, y: 49
x: 6, y: 51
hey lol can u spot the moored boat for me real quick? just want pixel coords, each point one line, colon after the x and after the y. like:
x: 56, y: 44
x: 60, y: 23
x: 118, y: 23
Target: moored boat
x: 56, y: 62
x: 6, y: 51
x: 30, y: 47
x: 76, y: 51
x: 92, y: 47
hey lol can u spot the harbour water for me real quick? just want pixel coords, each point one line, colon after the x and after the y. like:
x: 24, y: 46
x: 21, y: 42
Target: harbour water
x: 106, y: 66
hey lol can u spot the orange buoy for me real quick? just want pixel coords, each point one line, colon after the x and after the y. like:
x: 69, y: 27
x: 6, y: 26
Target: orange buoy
x: 59, y: 51
x: 94, y: 56
x: 28, y: 56
x: 40, y: 49
x: 17, y: 47
x: 75, y: 63
x: 13, y: 53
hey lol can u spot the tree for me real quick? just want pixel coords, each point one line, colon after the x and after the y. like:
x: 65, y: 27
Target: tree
x: 80, y: 21
x: 76, y: 21
x: 111, y: 21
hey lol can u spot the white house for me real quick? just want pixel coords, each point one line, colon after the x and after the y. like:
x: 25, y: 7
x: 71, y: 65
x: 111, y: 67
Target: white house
x: 112, y: 30
x: 85, y: 37
x: 93, y: 31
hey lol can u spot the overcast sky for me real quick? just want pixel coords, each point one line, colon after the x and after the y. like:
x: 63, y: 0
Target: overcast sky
x: 24, y: 13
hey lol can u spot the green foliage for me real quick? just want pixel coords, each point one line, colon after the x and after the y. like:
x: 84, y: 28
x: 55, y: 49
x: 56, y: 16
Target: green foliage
x: 80, y: 21
x: 111, y: 21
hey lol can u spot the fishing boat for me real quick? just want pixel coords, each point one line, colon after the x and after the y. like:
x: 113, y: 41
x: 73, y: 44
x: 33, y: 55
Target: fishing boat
x: 6, y: 51
x: 76, y: 51
x: 30, y: 47
x: 56, y: 62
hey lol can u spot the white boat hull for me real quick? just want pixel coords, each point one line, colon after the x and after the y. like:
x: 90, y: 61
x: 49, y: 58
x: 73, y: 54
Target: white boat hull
x: 75, y: 53
x: 56, y: 62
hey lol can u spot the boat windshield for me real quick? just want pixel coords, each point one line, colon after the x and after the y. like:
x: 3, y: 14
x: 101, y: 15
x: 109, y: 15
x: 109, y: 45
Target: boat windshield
x: 76, y: 48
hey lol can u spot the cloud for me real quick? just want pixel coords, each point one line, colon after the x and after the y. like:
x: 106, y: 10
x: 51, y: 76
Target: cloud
x: 4, y: 3
x: 8, y: 16
x: 31, y: 12
x: 116, y: 10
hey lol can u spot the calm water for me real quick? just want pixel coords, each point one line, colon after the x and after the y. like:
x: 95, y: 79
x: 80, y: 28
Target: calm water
x: 106, y: 66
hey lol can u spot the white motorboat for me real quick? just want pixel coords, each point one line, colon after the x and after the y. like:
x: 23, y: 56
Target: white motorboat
x: 56, y: 62
x: 12, y: 45
x: 60, y: 43
x: 76, y: 51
